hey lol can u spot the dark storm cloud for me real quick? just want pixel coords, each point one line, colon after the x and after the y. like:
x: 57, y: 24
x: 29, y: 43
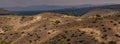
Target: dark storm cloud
x: 13, y: 3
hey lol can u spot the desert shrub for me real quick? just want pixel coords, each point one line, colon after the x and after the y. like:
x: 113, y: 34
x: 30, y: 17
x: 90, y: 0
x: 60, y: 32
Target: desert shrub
x: 118, y: 15
x: 57, y: 22
x: 70, y: 14
x: 98, y: 18
x: 79, y: 16
x: 102, y: 42
x: 111, y: 42
x: 97, y: 15
x: 26, y: 18
x: 62, y: 42
x: 117, y: 35
x: 3, y: 42
x: 23, y: 17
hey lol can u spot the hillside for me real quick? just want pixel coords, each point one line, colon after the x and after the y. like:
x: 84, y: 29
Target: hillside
x: 54, y: 28
x: 5, y: 12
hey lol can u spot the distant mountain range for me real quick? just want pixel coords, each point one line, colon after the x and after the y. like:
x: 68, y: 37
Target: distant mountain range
x: 75, y: 10
x: 44, y: 7
x: 84, y: 10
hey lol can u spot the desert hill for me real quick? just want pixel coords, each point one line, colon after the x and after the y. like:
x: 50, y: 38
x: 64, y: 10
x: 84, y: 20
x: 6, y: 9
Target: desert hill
x: 54, y: 28
x: 6, y: 12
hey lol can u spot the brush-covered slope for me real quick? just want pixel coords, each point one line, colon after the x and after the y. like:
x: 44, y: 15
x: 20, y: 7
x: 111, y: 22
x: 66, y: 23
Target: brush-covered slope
x: 53, y: 28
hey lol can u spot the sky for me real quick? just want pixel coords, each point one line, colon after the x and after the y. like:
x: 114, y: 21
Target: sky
x: 25, y: 3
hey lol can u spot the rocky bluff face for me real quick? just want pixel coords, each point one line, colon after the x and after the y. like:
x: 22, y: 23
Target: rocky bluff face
x: 53, y: 28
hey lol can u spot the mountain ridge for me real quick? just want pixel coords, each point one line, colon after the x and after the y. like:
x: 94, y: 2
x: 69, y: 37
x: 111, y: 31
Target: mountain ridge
x: 74, y: 10
x: 44, y: 7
